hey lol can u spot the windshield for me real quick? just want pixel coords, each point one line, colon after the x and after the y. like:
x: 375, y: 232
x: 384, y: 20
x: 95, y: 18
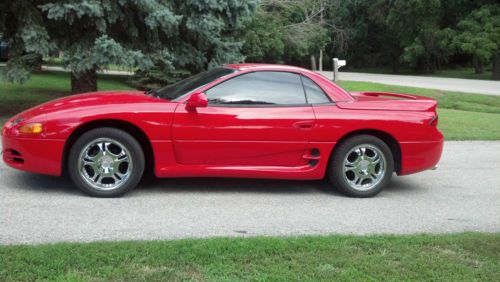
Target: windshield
x: 191, y: 83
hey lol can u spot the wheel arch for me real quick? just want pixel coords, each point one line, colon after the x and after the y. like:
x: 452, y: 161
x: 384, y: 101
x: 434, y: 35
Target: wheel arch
x: 384, y: 136
x: 126, y: 126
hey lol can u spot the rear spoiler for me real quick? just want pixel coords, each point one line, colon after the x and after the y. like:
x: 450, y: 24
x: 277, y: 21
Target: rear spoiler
x: 390, y: 95
x: 389, y: 102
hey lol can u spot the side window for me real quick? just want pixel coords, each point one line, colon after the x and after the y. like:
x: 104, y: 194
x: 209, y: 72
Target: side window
x: 259, y: 88
x: 315, y: 95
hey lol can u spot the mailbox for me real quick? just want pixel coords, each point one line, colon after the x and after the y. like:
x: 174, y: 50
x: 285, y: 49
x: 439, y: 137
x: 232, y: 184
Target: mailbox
x: 336, y: 65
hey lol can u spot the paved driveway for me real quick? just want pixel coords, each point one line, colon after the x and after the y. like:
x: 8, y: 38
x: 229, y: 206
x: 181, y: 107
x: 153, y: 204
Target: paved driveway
x: 462, y: 195
x: 452, y: 84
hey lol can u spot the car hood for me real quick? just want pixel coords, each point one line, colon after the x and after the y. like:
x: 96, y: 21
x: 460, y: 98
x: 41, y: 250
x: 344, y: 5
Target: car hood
x: 97, y: 98
x: 89, y: 100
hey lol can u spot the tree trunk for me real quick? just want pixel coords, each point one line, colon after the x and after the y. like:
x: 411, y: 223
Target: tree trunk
x: 84, y: 81
x: 313, y: 63
x: 495, y: 71
x: 37, y: 63
x: 321, y: 50
x: 478, y: 65
x: 321, y: 60
x: 395, y: 62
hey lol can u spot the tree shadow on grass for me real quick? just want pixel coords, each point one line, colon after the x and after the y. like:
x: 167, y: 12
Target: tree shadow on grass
x: 25, y: 99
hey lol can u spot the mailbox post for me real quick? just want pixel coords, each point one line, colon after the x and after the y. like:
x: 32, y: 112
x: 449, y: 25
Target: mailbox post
x: 337, y: 64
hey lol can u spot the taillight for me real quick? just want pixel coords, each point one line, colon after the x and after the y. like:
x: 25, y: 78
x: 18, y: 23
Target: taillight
x: 434, y: 121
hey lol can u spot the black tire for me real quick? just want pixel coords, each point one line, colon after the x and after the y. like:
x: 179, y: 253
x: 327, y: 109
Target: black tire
x: 336, y: 166
x: 129, y: 143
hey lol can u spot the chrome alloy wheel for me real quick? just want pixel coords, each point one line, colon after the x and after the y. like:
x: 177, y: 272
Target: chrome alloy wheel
x: 105, y: 164
x: 364, y: 167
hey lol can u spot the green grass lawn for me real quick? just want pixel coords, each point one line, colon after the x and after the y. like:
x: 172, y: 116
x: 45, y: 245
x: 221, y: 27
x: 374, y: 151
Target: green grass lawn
x: 54, y: 61
x: 463, y: 125
x: 467, y: 73
x: 459, y: 257
x: 462, y: 116
x: 446, y: 99
x: 46, y: 86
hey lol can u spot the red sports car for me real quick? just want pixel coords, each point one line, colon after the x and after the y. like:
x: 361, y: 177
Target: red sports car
x: 240, y: 120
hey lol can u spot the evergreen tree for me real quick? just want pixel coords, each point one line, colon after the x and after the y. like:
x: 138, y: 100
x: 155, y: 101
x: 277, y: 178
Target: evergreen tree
x: 92, y: 34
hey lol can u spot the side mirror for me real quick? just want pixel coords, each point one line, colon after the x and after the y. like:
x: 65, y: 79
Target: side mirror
x: 196, y: 100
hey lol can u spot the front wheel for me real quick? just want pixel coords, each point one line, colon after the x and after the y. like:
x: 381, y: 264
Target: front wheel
x: 106, y: 162
x: 361, y: 166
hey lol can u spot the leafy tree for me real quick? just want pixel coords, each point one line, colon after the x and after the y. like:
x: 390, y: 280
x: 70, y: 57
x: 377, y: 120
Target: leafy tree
x: 415, y: 33
x: 92, y: 34
x: 411, y: 33
x: 363, y: 36
x: 479, y: 36
x: 419, y: 42
x: 286, y: 32
x: 264, y: 41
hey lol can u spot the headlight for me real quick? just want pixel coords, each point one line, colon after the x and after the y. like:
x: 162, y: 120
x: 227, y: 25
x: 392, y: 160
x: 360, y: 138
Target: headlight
x: 31, y: 128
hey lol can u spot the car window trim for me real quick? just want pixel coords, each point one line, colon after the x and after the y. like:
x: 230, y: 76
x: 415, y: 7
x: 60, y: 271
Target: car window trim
x: 302, y: 76
x: 257, y: 105
x: 303, y: 88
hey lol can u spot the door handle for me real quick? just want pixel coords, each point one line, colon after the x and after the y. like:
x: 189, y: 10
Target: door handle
x: 303, y: 124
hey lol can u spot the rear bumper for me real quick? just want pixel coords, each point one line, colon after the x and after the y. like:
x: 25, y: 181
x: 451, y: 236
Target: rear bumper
x: 34, y: 155
x: 420, y: 156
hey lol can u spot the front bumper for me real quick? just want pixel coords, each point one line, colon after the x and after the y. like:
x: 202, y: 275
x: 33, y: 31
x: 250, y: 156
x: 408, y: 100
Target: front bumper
x: 38, y: 155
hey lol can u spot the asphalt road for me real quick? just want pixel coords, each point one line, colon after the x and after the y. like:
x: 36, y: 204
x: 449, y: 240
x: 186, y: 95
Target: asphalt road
x: 451, y: 84
x: 463, y: 194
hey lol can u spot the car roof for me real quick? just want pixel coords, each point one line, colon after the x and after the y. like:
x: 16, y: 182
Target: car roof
x: 257, y: 66
x: 339, y: 93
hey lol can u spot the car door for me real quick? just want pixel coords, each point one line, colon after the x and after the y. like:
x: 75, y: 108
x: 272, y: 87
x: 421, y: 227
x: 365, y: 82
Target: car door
x: 257, y: 118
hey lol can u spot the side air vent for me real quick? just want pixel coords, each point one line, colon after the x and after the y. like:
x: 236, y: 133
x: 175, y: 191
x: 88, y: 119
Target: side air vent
x: 313, y: 157
x: 13, y: 156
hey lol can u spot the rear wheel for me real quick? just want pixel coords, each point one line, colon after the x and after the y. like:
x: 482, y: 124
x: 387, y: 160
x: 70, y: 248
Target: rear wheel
x: 361, y: 166
x: 106, y: 162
